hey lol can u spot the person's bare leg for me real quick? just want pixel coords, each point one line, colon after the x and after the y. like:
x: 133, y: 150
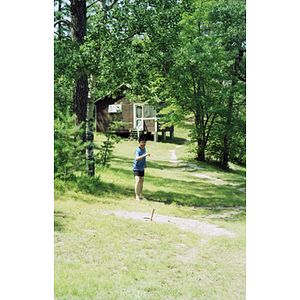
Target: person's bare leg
x: 141, y: 186
x: 137, y: 187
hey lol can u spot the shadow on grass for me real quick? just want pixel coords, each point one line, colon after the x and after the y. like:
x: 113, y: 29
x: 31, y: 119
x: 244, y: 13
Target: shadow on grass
x: 150, y: 164
x: 215, y: 167
x: 241, y: 173
x: 198, y: 197
x: 166, y: 165
x: 124, y: 166
x: 60, y: 220
x: 155, y: 164
x: 176, y: 141
x: 182, y: 192
x: 196, y: 194
x: 161, y: 166
x: 240, y: 216
x: 97, y: 194
x: 190, y: 192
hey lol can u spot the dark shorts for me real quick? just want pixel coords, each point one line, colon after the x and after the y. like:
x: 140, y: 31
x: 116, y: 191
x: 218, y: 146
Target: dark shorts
x: 138, y: 173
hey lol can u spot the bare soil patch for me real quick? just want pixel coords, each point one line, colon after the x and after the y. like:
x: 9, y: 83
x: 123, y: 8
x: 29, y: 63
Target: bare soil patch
x: 184, y: 224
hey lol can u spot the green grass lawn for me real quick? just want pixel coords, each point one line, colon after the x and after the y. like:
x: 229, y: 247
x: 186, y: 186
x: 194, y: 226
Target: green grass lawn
x: 107, y: 257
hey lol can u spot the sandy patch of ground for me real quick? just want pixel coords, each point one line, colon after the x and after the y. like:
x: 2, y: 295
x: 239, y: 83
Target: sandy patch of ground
x: 184, y: 224
x: 205, y: 176
x: 173, y: 157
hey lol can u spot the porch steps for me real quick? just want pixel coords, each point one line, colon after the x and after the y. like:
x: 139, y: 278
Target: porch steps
x: 133, y: 135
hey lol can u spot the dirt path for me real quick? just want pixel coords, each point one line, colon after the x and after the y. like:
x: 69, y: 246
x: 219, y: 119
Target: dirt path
x: 184, y: 224
x: 189, y: 166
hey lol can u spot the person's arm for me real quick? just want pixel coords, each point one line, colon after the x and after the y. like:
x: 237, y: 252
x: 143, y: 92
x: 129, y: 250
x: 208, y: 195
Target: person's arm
x: 137, y: 158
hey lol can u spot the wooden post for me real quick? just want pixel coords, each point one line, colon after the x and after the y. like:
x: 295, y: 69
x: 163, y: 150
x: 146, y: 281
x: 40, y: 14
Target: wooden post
x: 152, y: 214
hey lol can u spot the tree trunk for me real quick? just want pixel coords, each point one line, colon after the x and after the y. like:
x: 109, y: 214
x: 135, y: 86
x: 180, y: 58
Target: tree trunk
x: 80, y: 89
x: 200, y: 151
x: 59, y: 30
x: 227, y: 137
x: 242, y: 153
x: 106, y: 151
x: 225, y: 158
x: 200, y: 140
x: 89, y: 128
x: 78, y: 20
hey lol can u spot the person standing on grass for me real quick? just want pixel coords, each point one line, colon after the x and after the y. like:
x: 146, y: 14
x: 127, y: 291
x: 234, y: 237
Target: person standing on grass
x: 139, y: 165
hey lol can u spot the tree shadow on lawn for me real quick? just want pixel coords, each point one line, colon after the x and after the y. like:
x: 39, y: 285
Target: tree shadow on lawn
x: 241, y: 173
x: 166, y: 165
x: 107, y: 190
x: 199, y: 194
x: 223, y: 215
x: 188, y: 199
x: 161, y: 166
x: 176, y: 141
x: 121, y: 160
x: 60, y: 220
x: 124, y: 165
x: 215, y: 170
x: 195, y: 193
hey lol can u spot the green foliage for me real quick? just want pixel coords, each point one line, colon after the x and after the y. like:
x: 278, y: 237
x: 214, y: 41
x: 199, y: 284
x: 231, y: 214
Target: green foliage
x: 89, y: 184
x: 230, y: 134
x: 205, y: 79
x: 63, y: 75
x: 59, y: 185
x: 104, y: 156
x: 114, y: 50
x: 62, y: 11
x: 69, y: 152
x: 193, y: 78
x: 190, y: 55
x: 138, y: 40
x: 86, y: 184
x: 62, y: 96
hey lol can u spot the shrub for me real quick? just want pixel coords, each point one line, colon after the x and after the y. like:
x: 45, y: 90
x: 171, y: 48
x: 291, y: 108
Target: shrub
x: 59, y: 185
x: 89, y: 184
x: 106, y: 149
x: 69, y: 150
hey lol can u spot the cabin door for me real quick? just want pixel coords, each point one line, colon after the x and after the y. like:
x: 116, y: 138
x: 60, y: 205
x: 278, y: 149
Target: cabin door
x: 138, y: 117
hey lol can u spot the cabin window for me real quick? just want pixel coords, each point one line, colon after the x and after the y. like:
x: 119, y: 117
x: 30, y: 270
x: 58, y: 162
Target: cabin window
x: 149, y: 112
x: 142, y: 113
x: 139, y: 111
x: 113, y: 108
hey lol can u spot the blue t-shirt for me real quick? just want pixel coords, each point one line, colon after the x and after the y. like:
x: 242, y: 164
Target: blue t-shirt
x: 139, y: 165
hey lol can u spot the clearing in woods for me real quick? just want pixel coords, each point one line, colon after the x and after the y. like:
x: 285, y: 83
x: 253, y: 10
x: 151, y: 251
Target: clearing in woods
x: 107, y: 247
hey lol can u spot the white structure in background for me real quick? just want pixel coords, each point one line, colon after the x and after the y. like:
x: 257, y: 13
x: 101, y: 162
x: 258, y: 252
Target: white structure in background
x: 146, y: 113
